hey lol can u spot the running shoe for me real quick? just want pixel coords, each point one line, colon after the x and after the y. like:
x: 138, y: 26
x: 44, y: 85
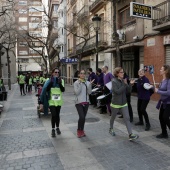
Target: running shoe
x: 111, y: 131
x: 133, y: 137
x: 58, y: 131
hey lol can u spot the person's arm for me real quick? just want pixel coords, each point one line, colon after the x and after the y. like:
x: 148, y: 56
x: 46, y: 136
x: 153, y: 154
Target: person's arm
x: 117, y: 90
x: 61, y: 85
x: 89, y: 87
x: 167, y: 92
x: 77, y: 87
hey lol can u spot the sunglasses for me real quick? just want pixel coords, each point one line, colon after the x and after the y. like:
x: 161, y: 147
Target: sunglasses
x: 82, y: 73
x: 56, y: 72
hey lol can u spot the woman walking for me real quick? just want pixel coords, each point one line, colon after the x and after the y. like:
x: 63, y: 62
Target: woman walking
x: 119, y: 101
x: 82, y: 89
x: 164, y: 102
x: 143, y: 99
x: 53, y: 88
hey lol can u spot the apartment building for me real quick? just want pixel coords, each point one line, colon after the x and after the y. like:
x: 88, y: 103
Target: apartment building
x: 81, y: 36
x: 29, y: 26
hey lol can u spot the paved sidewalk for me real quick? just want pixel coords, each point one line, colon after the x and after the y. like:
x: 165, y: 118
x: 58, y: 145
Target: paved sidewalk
x: 26, y: 143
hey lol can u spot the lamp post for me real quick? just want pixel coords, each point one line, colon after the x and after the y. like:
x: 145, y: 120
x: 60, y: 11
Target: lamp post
x: 18, y: 61
x: 96, y: 24
x: 58, y: 49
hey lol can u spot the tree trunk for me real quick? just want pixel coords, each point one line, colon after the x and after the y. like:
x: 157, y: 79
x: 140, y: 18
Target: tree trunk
x: 9, y: 70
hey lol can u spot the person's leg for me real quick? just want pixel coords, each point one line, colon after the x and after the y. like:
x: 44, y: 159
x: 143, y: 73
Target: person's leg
x: 139, y: 112
x: 81, y: 120
x: 85, y: 109
x: 58, y: 108
x: 20, y: 89
x: 130, y: 107
x: 113, y: 116
x: 164, y: 133
x: 167, y: 115
x: 23, y: 89
x: 145, y: 114
x: 53, y: 118
x: 125, y: 112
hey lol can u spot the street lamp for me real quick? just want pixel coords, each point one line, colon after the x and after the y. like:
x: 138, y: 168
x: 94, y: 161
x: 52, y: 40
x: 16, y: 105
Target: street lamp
x: 96, y: 24
x: 58, y: 49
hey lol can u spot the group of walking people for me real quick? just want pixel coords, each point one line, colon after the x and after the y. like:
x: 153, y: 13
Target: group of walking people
x: 121, y: 88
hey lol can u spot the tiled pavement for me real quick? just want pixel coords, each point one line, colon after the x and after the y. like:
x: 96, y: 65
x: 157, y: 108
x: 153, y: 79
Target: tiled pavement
x: 26, y: 143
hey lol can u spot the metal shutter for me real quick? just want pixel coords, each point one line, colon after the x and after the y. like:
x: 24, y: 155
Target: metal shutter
x: 168, y: 54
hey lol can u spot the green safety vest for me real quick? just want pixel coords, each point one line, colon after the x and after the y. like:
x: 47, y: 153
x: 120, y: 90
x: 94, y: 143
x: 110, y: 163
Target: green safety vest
x: 56, y: 97
x: 21, y: 79
x: 30, y: 81
x: 34, y: 80
x: 37, y: 78
x: 41, y: 79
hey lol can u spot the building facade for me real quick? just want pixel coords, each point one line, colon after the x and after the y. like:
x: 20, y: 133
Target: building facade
x: 29, y: 27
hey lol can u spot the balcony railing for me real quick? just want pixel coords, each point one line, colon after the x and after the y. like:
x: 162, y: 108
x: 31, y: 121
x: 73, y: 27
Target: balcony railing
x: 91, y: 44
x: 96, y: 4
x: 84, y: 12
x: 54, y: 14
x: 72, y: 2
x: 161, y: 16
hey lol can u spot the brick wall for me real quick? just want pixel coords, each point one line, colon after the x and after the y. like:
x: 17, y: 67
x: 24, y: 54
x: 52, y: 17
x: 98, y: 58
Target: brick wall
x: 154, y: 54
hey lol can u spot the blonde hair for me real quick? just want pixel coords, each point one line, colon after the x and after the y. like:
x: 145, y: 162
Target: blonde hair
x: 117, y: 70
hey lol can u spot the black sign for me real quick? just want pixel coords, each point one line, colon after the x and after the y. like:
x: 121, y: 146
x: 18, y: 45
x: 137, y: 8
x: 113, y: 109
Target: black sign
x: 140, y: 10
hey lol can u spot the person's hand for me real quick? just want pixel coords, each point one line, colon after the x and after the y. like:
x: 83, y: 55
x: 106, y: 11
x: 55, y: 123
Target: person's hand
x: 132, y: 81
x: 156, y: 90
x: 125, y: 81
x: 92, y: 81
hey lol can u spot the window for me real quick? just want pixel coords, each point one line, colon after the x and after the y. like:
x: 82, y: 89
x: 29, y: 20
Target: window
x: 55, y: 8
x: 24, y: 60
x: 23, y: 28
x: 22, y: 3
x: 35, y: 19
x: 34, y: 25
x: 38, y: 60
x: 22, y: 44
x: 124, y: 17
x: 55, y: 24
x: 22, y: 11
x: 23, y: 52
x: 22, y: 19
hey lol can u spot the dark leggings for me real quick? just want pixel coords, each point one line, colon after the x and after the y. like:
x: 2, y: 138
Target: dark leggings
x: 55, y: 119
x: 164, y: 117
x: 142, y: 104
x: 22, y: 89
x: 82, y: 111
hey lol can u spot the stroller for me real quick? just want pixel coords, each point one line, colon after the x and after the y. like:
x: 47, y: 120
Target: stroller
x: 39, y: 107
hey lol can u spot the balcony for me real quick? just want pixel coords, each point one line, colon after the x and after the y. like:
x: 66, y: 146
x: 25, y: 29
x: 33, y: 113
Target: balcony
x: 54, y: 15
x: 96, y: 5
x: 161, y: 16
x: 91, y: 44
x: 54, y: 33
x: 72, y: 2
x: 83, y: 13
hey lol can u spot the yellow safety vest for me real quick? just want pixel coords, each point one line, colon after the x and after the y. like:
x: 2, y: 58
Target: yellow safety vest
x: 21, y: 79
x: 30, y: 81
x: 56, y: 97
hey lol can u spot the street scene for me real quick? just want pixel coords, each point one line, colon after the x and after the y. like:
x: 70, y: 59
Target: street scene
x: 84, y: 85
x: 26, y: 142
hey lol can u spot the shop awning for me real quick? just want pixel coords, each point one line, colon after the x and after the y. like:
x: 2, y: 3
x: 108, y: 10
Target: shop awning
x: 134, y: 44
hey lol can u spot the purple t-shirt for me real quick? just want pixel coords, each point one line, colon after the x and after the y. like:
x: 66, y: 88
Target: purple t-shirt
x: 107, y: 77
